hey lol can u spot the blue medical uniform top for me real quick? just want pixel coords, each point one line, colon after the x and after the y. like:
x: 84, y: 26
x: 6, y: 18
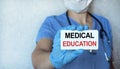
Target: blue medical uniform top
x: 85, y: 61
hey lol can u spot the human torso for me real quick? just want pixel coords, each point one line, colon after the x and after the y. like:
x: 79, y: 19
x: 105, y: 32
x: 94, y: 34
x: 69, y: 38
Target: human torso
x: 86, y: 60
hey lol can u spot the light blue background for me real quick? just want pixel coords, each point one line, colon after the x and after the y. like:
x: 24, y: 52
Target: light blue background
x: 20, y: 21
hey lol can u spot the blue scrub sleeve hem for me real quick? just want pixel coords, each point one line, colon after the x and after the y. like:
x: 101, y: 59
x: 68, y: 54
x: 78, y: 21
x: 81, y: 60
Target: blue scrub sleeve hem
x: 46, y: 30
x: 42, y: 37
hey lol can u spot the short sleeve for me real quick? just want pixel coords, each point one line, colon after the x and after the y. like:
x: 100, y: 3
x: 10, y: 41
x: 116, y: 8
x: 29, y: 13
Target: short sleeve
x: 106, y: 26
x: 109, y: 31
x: 45, y: 30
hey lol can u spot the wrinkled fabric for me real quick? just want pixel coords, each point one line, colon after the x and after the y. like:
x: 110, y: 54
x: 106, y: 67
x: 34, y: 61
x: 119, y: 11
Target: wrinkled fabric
x: 85, y: 61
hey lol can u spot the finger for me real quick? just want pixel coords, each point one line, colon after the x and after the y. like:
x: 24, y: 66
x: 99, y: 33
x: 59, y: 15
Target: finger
x: 86, y: 27
x: 80, y: 28
x: 57, y: 35
x: 71, y: 27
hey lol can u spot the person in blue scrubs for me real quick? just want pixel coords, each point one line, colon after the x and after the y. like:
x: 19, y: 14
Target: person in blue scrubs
x: 47, y: 54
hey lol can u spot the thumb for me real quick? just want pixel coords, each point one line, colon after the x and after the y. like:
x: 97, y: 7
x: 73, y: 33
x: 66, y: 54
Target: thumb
x: 80, y: 28
x: 86, y: 27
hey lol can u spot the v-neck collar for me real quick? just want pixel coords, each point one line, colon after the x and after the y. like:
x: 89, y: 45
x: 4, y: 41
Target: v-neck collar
x: 73, y: 22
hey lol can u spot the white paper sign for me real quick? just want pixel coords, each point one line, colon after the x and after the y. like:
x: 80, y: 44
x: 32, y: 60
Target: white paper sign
x: 73, y: 39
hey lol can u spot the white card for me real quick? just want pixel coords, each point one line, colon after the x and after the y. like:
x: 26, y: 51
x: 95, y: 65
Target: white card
x: 73, y: 39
